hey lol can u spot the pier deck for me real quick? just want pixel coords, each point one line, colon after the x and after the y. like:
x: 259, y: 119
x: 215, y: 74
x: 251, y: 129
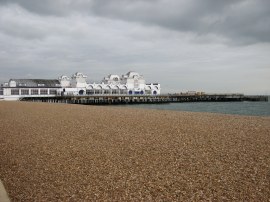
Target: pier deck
x: 145, y: 99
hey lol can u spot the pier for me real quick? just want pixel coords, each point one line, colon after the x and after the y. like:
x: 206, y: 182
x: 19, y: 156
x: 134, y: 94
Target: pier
x: 144, y: 99
x: 256, y: 98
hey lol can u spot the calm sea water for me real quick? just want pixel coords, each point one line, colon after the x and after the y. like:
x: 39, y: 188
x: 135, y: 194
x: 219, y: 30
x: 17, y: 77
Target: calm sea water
x: 240, y: 108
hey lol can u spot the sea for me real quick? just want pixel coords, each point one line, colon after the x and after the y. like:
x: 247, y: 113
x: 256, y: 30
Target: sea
x: 239, y: 108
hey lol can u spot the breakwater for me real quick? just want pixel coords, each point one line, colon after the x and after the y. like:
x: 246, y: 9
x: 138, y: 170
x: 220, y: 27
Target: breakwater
x: 145, y: 99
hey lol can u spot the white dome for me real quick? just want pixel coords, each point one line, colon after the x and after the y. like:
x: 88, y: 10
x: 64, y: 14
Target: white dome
x: 63, y: 77
x: 132, y: 74
x: 79, y: 75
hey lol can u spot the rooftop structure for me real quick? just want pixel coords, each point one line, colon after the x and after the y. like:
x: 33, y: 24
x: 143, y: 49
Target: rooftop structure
x: 34, y: 83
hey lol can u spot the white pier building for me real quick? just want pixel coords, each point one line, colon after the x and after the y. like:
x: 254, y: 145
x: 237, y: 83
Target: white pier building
x: 131, y: 83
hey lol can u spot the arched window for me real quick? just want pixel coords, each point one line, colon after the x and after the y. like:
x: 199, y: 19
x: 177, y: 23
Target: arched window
x: 81, y: 92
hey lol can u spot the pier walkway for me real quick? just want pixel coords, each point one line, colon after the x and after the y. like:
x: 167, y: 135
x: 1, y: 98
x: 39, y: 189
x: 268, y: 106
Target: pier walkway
x: 145, y: 99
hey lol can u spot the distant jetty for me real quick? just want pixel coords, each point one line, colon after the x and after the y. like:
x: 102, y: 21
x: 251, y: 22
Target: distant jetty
x: 145, y: 99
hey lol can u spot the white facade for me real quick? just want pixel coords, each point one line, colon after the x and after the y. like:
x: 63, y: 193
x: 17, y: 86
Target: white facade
x: 64, y: 81
x: 112, y: 79
x: 131, y: 83
x: 78, y: 80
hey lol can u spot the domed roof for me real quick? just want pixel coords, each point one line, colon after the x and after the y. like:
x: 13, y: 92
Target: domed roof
x: 79, y: 74
x: 133, y: 74
x: 63, y: 77
x: 114, y: 77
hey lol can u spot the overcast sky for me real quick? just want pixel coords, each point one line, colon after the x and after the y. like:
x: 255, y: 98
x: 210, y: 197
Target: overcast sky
x: 216, y: 46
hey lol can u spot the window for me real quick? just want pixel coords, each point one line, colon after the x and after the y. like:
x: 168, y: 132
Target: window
x: 22, y: 84
x: 136, y: 83
x: 114, y: 91
x: 43, y: 91
x: 106, y: 91
x: 89, y: 92
x: 53, y: 92
x: 81, y: 92
x: 41, y: 84
x: 34, y: 91
x: 24, y: 92
x: 1, y: 92
x: 123, y: 91
x: 14, y: 91
x: 98, y: 91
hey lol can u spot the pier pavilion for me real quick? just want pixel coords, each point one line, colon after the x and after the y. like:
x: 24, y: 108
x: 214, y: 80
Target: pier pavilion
x: 130, y: 84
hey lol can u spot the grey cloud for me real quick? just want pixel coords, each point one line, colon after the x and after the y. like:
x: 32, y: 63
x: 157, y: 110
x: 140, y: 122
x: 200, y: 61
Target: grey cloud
x: 22, y: 31
x: 240, y: 21
x: 46, y: 7
x: 184, y: 45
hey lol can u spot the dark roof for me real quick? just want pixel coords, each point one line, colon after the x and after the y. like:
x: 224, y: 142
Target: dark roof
x: 36, y: 82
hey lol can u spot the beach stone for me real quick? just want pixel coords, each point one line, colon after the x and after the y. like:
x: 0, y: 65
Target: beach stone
x: 63, y: 152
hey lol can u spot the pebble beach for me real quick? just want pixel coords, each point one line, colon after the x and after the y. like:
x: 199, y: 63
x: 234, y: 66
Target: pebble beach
x: 62, y: 152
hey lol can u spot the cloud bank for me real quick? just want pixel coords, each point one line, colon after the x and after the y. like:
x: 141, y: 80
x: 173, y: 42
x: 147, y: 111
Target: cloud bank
x: 211, y: 45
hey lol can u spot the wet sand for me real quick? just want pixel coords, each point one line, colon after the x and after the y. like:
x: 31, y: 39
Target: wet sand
x: 59, y: 152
